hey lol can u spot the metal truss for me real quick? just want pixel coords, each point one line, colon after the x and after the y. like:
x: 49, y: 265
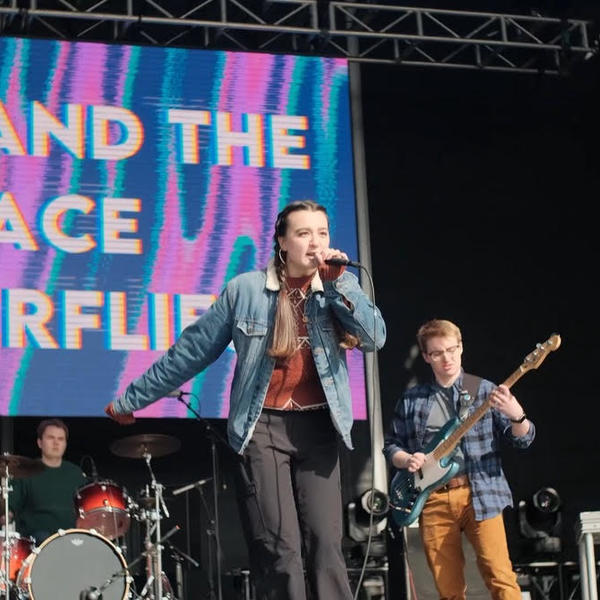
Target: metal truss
x: 359, y: 31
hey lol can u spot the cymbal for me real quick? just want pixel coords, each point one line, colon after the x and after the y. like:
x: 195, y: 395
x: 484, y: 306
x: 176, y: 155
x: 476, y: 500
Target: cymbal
x: 20, y: 466
x: 154, y: 444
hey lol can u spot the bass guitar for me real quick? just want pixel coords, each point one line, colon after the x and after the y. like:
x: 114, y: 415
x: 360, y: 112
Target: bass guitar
x: 409, y: 491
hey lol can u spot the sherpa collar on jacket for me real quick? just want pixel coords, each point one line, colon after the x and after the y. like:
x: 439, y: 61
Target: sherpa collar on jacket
x: 316, y: 285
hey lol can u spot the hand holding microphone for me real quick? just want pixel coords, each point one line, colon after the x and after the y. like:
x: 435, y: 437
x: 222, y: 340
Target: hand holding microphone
x: 342, y: 261
x: 334, y: 257
x: 332, y: 263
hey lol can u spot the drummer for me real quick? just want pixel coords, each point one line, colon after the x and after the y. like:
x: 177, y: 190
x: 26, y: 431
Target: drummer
x: 44, y: 503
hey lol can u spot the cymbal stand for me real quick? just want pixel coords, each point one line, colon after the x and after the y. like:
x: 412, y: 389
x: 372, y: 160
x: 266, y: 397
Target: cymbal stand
x: 154, y: 563
x: 5, y: 581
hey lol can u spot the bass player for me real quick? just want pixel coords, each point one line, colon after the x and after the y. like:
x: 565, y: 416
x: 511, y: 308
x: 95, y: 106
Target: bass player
x: 472, y: 501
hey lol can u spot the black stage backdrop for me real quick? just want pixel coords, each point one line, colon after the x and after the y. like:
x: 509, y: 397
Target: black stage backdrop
x: 482, y: 191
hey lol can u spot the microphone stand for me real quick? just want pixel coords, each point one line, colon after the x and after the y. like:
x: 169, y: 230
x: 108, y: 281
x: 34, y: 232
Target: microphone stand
x: 178, y: 556
x: 214, y: 436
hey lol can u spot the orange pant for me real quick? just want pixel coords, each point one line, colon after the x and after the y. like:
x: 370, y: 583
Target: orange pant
x: 445, y: 516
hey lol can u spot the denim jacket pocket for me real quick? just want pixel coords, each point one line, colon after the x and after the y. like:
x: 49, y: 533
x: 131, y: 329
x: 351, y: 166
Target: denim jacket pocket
x: 250, y: 339
x: 251, y: 327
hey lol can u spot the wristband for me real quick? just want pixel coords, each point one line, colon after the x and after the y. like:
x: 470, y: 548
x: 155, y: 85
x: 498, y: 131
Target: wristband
x: 519, y: 420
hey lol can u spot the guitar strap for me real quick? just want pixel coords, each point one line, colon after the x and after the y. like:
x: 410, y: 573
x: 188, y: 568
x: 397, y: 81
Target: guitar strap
x: 471, y: 383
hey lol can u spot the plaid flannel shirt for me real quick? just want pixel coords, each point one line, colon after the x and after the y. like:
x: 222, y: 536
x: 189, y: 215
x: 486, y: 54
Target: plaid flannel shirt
x: 480, y: 444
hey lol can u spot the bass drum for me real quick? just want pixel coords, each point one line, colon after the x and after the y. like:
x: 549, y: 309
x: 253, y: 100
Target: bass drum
x: 71, y: 562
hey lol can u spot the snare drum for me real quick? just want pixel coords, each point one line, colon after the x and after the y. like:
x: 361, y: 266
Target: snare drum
x: 103, y: 506
x: 70, y: 562
x: 19, y: 548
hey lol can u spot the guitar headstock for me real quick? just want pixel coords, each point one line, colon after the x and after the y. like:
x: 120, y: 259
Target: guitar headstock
x: 534, y: 359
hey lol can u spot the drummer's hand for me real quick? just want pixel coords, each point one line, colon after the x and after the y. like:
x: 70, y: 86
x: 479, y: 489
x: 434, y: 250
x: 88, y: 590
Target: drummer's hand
x: 124, y: 419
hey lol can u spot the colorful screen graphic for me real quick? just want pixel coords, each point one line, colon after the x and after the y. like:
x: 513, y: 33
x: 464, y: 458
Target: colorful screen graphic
x: 134, y: 183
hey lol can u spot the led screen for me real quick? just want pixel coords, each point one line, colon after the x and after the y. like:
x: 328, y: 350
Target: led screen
x: 134, y: 183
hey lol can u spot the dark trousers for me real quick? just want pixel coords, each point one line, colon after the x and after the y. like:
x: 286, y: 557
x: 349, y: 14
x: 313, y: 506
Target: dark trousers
x: 291, y: 507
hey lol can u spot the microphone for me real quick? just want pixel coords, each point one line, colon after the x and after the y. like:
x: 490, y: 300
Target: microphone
x: 191, y: 486
x: 94, y: 471
x: 176, y: 394
x: 342, y: 261
x: 90, y: 594
x: 169, y: 533
x: 92, y: 464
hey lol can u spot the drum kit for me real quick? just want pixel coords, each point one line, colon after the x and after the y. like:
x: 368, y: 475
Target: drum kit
x: 85, y: 562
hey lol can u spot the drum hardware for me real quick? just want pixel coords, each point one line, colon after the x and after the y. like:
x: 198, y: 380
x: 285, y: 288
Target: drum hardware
x: 156, y: 587
x: 145, y: 498
x: 154, y: 550
x: 147, y: 446
x: 166, y: 586
x: 13, y: 466
x: 97, y: 592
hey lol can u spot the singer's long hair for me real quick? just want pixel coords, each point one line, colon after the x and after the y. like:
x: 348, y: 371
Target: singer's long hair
x: 285, y: 333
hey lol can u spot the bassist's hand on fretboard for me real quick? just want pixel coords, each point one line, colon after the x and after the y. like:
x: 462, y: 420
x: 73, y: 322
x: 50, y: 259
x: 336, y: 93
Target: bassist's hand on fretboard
x: 503, y: 401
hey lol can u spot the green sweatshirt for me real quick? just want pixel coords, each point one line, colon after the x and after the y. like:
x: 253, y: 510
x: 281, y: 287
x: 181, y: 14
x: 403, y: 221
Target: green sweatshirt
x: 45, y: 503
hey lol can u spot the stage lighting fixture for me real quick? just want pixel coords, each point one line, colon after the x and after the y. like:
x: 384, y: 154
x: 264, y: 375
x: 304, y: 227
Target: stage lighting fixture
x: 546, y: 500
x: 367, y: 514
x: 540, y: 521
x: 376, y: 502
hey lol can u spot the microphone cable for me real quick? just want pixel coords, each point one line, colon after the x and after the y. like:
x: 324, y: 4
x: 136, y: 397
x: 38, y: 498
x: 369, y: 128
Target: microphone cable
x: 372, y: 491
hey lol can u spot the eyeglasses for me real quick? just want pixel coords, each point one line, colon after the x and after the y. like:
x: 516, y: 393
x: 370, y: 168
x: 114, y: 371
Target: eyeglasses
x: 437, y: 355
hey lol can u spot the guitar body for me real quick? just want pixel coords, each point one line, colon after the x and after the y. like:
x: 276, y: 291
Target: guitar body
x: 409, y: 491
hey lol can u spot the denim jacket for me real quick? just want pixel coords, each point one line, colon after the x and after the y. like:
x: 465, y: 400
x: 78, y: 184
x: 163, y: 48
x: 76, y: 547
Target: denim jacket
x: 244, y: 313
